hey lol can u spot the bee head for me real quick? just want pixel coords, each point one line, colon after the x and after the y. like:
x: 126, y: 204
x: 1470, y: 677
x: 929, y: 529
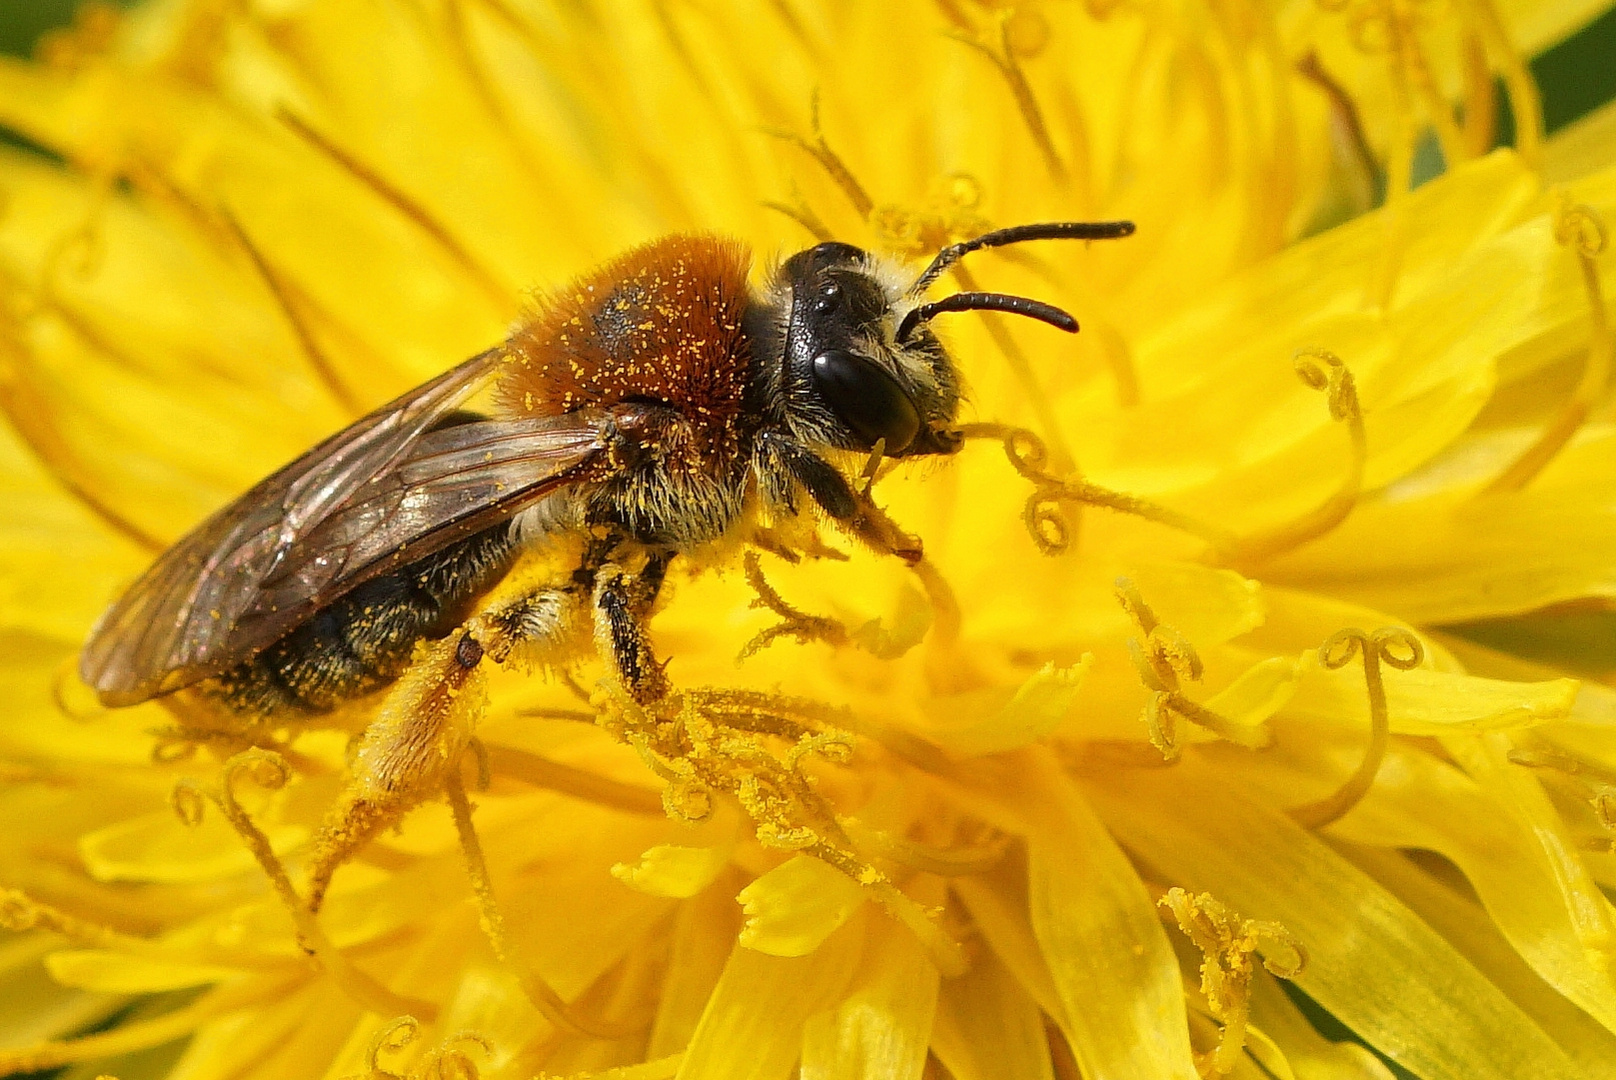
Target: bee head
x: 853, y: 382
x: 861, y: 362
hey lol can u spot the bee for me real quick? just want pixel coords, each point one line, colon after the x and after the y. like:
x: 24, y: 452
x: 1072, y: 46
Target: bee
x: 651, y: 410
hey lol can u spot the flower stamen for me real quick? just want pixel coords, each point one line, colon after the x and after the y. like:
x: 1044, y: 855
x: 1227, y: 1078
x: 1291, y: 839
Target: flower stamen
x: 799, y: 211
x: 1525, y: 102
x: 29, y: 414
x: 525, y: 767
x: 443, y: 1062
x: 819, y: 149
x: 707, y: 741
x: 540, y: 993
x: 961, y: 861
x: 665, y: 1068
x: 1003, y: 57
x: 1348, y: 124
x: 1021, y: 369
x: 945, y: 952
x: 1449, y: 137
x: 288, y: 298
x: 269, y: 770
x: 1580, y: 228
x: 1321, y: 370
x: 447, y: 1061
x: 1594, y: 783
x: 498, y: 294
x: 950, y: 216
x: 1399, y: 183
x: 1042, y: 514
x: 1227, y: 943
x: 1163, y: 658
x: 390, y: 1038
x: 458, y: 37
x: 793, y: 623
x: 1381, y: 647
x: 872, y: 637
x: 1480, y: 94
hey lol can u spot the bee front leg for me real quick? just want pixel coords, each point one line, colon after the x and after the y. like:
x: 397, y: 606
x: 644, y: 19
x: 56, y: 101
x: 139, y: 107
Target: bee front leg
x: 830, y: 489
x: 622, y: 603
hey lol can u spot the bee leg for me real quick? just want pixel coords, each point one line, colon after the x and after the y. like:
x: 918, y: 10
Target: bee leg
x: 830, y: 489
x: 405, y: 754
x: 622, y: 603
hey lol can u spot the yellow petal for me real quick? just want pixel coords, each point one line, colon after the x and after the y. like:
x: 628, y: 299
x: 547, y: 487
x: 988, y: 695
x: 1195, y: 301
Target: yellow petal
x: 33, y: 1006
x: 793, y: 908
x: 1098, y: 930
x: 1310, y: 1055
x: 751, y: 1028
x: 1422, y: 372
x: 1445, y: 905
x: 60, y: 559
x: 1255, y: 695
x: 672, y: 870
x: 988, y: 1028
x: 997, y: 903
x: 1586, y: 146
x: 983, y: 722
x: 1426, y: 702
x: 1593, y: 919
x: 882, y: 1024
x: 703, y: 934
x: 160, y: 848
x: 1418, y: 802
x: 119, y: 973
x: 1370, y: 961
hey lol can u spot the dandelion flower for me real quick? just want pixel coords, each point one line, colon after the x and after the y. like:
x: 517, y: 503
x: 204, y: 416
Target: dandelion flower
x: 1223, y: 701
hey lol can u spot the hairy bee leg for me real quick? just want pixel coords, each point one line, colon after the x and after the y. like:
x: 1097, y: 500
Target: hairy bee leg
x: 404, y: 755
x: 854, y: 510
x: 622, y: 602
x: 427, y: 719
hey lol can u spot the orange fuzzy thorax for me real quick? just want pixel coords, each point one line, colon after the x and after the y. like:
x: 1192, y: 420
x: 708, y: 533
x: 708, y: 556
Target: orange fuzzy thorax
x: 662, y: 322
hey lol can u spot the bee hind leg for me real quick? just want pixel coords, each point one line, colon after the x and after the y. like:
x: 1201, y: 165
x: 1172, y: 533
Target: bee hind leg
x: 427, y: 719
x: 405, y: 754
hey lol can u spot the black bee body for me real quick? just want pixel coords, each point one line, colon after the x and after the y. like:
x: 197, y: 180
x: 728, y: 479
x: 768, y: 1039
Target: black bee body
x: 363, y: 640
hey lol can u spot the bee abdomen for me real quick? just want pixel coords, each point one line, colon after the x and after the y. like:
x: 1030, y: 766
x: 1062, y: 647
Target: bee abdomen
x: 364, y: 639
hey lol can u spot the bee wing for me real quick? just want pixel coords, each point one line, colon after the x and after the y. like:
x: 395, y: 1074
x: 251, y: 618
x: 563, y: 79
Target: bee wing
x: 382, y: 492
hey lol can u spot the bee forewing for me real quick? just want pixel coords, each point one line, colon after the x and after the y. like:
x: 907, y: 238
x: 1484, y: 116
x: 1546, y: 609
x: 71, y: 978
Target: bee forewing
x: 382, y: 492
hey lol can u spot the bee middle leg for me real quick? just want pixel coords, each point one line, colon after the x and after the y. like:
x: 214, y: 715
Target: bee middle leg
x: 622, y: 603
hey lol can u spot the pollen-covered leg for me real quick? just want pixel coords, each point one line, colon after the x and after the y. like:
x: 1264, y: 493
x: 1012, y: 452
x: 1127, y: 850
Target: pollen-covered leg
x: 404, y: 757
x: 622, y: 602
x: 427, y: 719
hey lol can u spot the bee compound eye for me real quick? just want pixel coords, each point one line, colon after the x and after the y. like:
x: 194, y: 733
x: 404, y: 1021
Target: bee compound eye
x: 866, y: 399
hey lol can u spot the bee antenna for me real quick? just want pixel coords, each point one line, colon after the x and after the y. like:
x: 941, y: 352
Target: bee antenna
x: 1053, y: 230
x: 987, y: 301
